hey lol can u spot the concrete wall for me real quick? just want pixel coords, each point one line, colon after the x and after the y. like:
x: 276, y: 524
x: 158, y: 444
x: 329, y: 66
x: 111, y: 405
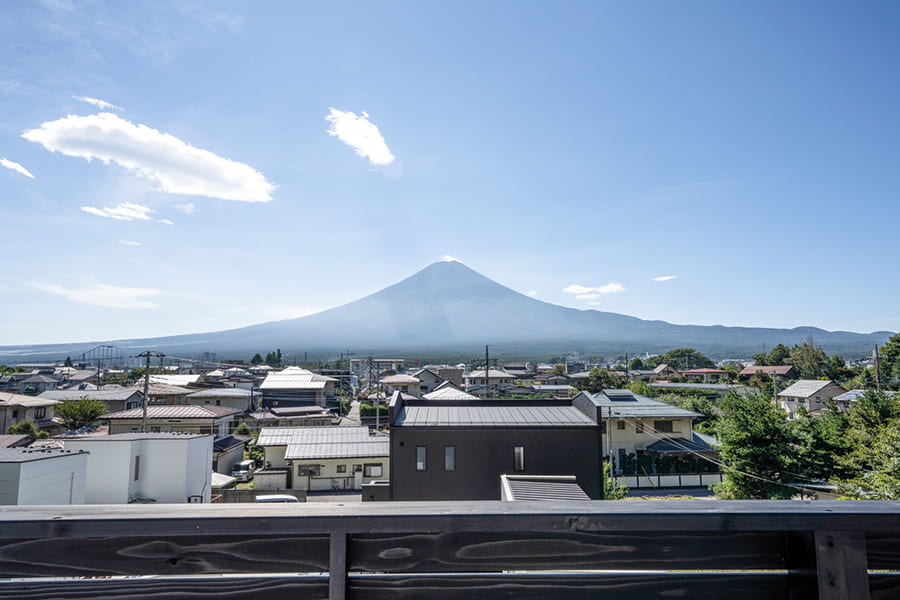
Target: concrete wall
x: 9, y: 483
x: 110, y: 473
x: 329, y: 478
x: 483, y: 454
x: 228, y: 459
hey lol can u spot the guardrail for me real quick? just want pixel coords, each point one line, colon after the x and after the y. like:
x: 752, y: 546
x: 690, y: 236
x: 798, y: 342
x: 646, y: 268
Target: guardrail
x: 626, y: 549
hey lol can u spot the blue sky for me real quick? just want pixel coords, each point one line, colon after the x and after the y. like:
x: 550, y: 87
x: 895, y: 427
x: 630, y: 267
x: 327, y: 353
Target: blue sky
x: 258, y: 161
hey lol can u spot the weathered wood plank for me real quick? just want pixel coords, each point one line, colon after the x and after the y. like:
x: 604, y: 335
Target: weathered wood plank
x: 472, y: 552
x: 696, y: 586
x: 218, y: 588
x: 800, y: 555
x: 884, y: 586
x: 162, y: 555
x: 337, y: 569
x: 842, y: 565
x: 883, y: 550
x: 414, y: 517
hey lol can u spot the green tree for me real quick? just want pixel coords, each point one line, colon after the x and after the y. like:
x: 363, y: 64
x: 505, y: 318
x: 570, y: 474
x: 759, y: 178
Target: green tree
x: 599, y: 379
x: 709, y: 418
x: 612, y: 490
x: 809, y: 359
x: 27, y: 428
x: 68, y: 362
x: 559, y: 369
x: 256, y: 360
x: 687, y: 358
x: 876, y: 466
x: 754, y: 441
x: 242, y: 429
x: 636, y: 364
x: 78, y: 413
x: 820, y: 440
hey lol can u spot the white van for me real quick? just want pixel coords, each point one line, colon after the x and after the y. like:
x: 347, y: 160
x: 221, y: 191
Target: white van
x: 243, y: 471
x: 276, y: 498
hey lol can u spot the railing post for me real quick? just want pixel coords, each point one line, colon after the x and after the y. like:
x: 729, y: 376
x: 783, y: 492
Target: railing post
x: 337, y: 567
x: 842, y: 565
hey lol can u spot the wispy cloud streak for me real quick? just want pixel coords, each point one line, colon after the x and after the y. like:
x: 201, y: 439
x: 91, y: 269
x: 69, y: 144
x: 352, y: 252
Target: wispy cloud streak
x: 15, y: 167
x: 101, y: 104
x: 100, y: 294
x: 360, y: 134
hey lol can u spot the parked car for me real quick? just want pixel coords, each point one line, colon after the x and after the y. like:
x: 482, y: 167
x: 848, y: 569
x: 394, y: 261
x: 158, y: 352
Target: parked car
x: 277, y: 498
x: 243, y: 471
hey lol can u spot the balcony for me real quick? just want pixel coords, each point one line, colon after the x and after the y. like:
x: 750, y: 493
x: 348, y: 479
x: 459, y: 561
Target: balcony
x: 397, y: 550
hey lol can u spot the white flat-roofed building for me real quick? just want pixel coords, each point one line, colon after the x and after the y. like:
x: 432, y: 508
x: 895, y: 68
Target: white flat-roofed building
x: 174, y: 468
x: 31, y: 476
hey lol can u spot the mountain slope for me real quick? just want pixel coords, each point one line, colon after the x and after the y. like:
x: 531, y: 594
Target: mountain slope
x: 448, y: 309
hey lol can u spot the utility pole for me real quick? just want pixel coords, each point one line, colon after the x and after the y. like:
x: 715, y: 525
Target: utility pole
x: 147, y: 354
x: 487, y: 373
x: 626, y: 367
x: 877, y: 369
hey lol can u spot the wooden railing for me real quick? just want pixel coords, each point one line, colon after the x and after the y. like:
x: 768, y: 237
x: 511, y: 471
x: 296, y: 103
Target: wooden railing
x: 623, y: 550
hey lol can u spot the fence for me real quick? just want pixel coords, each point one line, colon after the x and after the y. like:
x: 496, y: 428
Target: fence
x: 628, y: 549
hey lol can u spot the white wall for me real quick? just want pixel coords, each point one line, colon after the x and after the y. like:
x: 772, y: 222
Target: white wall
x: 9, y: 483
x: 57, y: 480
x: 109, y: 470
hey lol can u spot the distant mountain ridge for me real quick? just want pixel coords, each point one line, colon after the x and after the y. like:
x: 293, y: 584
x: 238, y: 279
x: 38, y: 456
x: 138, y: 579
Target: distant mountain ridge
x: 448, y: 309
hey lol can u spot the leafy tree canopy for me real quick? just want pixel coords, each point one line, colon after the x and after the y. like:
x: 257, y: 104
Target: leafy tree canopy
x: 27, y: 428
x: 78, y: 413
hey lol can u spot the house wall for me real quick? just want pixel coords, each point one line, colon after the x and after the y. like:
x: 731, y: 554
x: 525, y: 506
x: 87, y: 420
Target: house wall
x: 483, y: 454
x: 57, y: 480
x: 174, y: 470
x: 329, y: 478
x: 9, y: 483
x: 274, y: 457
x: 240, y: 404
x: 109, y: 472
x: 817, y: 401
x: 226, y: 460
x: 204, y: 426
x: 631, y: 441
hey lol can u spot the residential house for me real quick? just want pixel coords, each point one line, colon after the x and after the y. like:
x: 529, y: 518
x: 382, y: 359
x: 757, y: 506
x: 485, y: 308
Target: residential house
x: 552, y: 379
x: 664, y: 371
x: 644, y: 429
x: 518, y: 370
x: 406, y: 384
x: 30, y: 476
x: 15, y: 408
x: 448, y: 391
x: 458, y: 449
x: 296, y: 386
x: 15, y: 440
x: 428, y: 380
x: 494, y: 380
x: 208, y: 420
x: 848, y: 399
x: 74, y: 378
x: 363, y: 367
x: 147, y: 467
x: 239, y: 399
x: 164, y: 393
x: 782, y: 372
x: 36, y: 384
x: 555, y: 390
x: 177, y: 380
x: 227, y: 452
x: 116, y: 399
x: 289, y: 416
x: 811, y: 394
x: 326, y: 458
x: 704, y: 375
x: 452, y: 374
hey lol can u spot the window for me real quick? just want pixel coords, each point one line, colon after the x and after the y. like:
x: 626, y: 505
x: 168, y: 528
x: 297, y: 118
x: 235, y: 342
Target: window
x: 15, y: 414
x: 303, y: 470
x: 620, y: 425
x: 357, y: 468
x: 421, y: 458
x: 342, y: 468
x: 663, y: 426
x: 603, y: 427
x: 372, y: 470
x: 449, y: 458
x: 154, y: 430
x: 40, y: 413
x: 639, y: 426
x: 519, y: 454
x: 137, y: 467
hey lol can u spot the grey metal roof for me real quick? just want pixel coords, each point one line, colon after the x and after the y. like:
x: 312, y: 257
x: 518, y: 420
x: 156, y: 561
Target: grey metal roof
x: 284, y: 436
x: 624, y: 403
x: 545, y: 489
x: 168, y: 411
x: 805, y: 388
x: 374, y: 446
x: 679, y: 445
x: 532, y: 414
x: 854, y: 395
x: 20, y: 455
x: 222, y: 393
x: 448, y: 392
x: 720, y: 387
x: 15, y: 440
x: 74, y: 394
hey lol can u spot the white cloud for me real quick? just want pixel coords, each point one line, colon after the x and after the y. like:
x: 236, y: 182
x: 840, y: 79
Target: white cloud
x: 532, y: 294
x: 129, y: 243
x: 448, y: 258
x: 592, y: 293
x: 665, y: 278
x: 100, y: 294
x: 175, y: 166
x: 360, y: 134
x: 101, y: 104
x: 126, y: 211
x: 15, y: 167
x: 187, y: 209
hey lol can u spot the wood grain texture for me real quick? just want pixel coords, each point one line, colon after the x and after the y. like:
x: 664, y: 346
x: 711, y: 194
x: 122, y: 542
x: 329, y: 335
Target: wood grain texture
x: 842, y: 565
x: 473, y: 552
x: 270, y: 588
x: 729, y: 586
x: 162, y: 555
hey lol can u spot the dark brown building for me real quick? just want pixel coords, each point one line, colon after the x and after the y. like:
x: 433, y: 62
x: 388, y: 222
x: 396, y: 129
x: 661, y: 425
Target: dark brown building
x: 458, y: 449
